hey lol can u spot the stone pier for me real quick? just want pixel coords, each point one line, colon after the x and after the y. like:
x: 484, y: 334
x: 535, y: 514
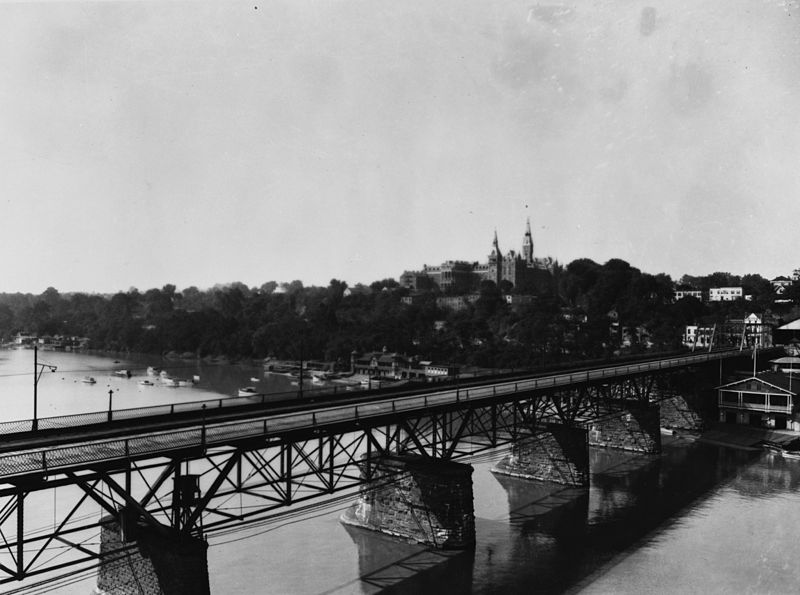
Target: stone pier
x: 157, y: 564
x: 637, y: 429
x: 418, y: 499
x: 679, y: 412
x: 555, y: 453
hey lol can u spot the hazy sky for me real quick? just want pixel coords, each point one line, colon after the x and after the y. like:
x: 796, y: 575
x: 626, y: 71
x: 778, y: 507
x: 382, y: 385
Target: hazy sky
x: 147, y: 143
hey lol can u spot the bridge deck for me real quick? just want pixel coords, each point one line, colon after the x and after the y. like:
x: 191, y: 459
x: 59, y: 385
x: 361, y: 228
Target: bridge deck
x: 130, y: 436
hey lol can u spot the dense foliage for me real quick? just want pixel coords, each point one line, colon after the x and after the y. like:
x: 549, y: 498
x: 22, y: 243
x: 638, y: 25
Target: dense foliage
x: 582, y: 310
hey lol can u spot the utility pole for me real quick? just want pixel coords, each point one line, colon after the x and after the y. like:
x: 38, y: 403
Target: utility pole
x: 37, y: 373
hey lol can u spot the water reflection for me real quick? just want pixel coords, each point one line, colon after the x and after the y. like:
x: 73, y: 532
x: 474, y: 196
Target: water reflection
x: 388, y: 565
x: 553, y: 537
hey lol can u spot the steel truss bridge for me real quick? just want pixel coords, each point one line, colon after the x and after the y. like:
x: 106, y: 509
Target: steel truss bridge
x: 213, y: 465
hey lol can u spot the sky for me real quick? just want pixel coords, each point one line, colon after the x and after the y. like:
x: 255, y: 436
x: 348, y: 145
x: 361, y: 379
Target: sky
x: 147, y: 143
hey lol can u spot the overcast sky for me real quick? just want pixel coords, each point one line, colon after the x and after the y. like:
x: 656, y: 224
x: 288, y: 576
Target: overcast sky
x: 195, y: 144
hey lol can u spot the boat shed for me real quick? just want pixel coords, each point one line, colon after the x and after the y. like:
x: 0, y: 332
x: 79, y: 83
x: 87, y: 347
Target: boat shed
x: 787, y: 334
x: 767, y: 400
x: 787, y: 364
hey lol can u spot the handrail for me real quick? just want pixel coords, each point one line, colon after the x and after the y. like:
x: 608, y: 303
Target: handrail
x: 101, y: 417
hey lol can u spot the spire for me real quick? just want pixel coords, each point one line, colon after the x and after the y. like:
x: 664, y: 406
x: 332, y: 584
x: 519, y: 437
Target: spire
x: 527, y: 244
x: 495, y: 256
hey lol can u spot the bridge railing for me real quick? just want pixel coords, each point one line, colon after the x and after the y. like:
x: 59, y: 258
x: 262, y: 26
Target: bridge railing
x: 498, y: 389
x: 161, y: 443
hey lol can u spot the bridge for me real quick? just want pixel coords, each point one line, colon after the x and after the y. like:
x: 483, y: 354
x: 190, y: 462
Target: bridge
x: 168, y: 474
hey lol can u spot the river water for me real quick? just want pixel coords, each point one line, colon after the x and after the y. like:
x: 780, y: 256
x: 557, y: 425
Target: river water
x: 698, y: 518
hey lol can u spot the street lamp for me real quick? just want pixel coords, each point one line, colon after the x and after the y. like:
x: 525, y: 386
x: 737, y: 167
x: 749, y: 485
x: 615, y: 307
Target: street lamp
x: 110, y: 395
x: 37, y: 373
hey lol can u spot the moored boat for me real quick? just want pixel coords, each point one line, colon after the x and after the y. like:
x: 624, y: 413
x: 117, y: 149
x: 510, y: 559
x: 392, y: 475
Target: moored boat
x: 88, y: 380
x: 248, y: 391
x: 146, y: 382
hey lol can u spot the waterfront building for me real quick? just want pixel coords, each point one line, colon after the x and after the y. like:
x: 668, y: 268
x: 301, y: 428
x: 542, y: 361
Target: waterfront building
x: 788, y: 334
x: 395, y: 366
x: 765, y: 400
x: 788, y: 364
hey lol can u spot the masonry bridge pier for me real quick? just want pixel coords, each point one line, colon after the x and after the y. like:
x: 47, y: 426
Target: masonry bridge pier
x: 150, y: 484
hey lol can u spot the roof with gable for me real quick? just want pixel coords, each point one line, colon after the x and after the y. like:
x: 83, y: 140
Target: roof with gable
x: 769, y: 381
x: 794, y: 325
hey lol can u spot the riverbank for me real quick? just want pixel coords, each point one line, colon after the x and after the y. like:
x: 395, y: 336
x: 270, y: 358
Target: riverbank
x: 745, y: 437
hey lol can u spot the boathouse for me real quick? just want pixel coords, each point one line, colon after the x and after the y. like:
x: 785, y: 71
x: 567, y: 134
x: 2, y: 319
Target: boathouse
x: 766, y: 400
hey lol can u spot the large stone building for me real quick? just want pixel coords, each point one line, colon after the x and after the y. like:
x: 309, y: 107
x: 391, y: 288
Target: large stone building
x: 458, y: 276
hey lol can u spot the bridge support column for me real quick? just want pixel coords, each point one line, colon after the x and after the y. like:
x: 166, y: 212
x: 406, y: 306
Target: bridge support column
x: 556, y: 453
x: 156, y: 564
x: 681, y: 412
x: 637, y: 429
x: 419, y: 499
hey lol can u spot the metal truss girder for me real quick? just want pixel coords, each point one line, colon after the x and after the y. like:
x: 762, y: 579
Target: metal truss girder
x: 291, y: 468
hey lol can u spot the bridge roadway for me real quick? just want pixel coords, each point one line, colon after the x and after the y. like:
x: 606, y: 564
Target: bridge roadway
x: 70, y: 443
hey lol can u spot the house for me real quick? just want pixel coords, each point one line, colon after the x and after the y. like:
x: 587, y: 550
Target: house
x: 684, y: 293
x: 780, y: 284
x: 457, y: 303
x: 751, y: 331
x: 765, y: 400
x: 698, y: 336
x: 725, y: 294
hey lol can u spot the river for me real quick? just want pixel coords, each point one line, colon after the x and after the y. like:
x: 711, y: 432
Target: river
x: 698, y: 518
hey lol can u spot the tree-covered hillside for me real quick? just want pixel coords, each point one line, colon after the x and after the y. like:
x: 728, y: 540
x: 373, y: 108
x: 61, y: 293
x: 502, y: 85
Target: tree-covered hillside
x: 582, y: 310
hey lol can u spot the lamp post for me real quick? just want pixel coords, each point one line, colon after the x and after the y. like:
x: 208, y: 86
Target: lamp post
x: 110, y: 394
x: 37, y: 373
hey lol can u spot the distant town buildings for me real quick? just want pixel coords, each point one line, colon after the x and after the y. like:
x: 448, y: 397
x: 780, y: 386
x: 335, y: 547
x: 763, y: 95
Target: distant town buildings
x: 715, y: 294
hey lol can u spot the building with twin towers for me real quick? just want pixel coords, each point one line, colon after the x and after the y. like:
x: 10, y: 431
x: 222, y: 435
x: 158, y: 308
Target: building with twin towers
x: 459, y: 276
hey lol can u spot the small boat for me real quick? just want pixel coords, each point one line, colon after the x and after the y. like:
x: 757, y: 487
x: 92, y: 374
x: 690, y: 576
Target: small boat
x: 184, y: 382
x: 88, y: 380
x: 254, y: 379
x: 248, y: 391
x: 123, y: 373
x: 146, y: 382
x: 172, y: 382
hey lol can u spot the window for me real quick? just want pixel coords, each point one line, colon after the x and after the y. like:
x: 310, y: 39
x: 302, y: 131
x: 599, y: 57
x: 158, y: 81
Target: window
x: 754, y: 399
x: 778, y: 400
